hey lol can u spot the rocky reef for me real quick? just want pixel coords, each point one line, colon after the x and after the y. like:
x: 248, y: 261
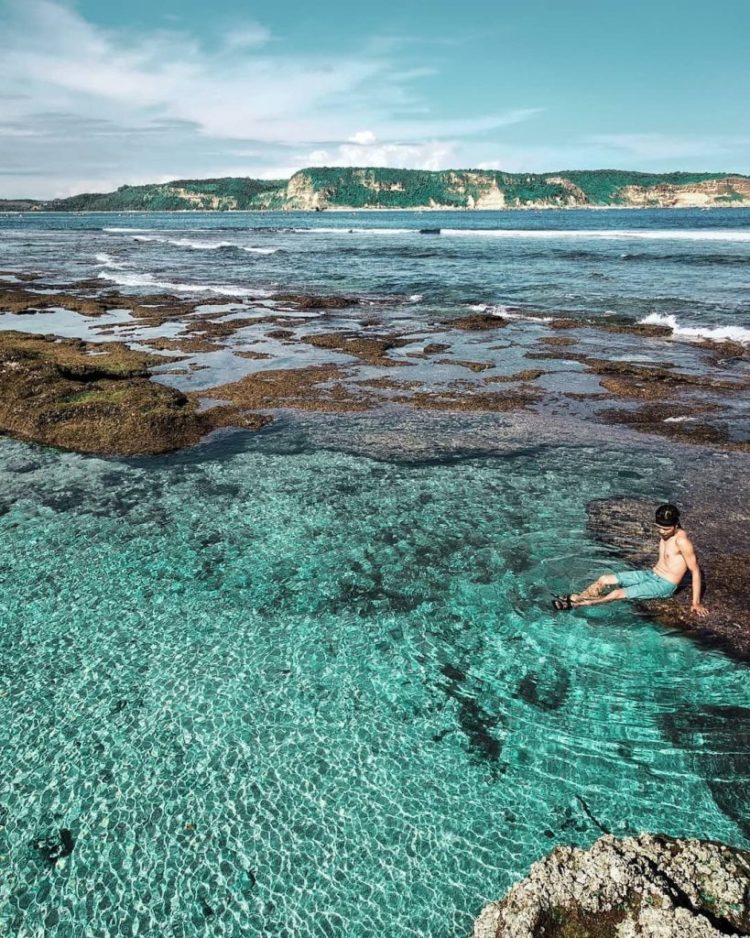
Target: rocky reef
x: 98, y: 398
x: 338, y: 353
x: 725, y: 564
x: 650, y: 886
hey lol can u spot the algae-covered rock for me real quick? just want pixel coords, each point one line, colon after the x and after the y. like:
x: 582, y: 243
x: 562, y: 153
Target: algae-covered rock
x: 650, y: 886
x: 98, y: 399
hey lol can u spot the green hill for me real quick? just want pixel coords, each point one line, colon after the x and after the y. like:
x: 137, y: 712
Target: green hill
x: 229, y: 193
x: 381, y: 188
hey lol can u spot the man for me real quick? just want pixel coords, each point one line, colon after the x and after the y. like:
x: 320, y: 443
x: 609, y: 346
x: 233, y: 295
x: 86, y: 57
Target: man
x: 676, y: 557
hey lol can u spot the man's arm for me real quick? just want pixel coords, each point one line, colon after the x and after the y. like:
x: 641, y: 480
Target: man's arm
x: 688, y: 552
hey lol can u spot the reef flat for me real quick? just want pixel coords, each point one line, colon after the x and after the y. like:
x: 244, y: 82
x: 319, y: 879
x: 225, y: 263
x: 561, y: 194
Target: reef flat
x: 97, y: 396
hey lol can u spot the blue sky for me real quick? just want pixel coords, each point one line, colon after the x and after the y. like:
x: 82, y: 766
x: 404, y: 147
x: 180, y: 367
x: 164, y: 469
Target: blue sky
x: 95, y: 94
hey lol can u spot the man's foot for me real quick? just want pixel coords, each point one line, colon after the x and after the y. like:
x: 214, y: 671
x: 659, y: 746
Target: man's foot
x: 562, y: 603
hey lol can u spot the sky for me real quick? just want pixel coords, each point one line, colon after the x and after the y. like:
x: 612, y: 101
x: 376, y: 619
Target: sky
x: 95, y: 94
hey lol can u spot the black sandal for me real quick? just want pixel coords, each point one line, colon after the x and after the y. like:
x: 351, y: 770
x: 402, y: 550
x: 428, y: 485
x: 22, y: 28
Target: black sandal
x: 562, y: 603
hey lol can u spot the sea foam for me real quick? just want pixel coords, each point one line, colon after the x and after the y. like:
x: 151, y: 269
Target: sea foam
x: 504, y: 312
x: 106, y: 260
x: 146, y: 280
x: 613, y: 234
x: 715, y: 333
x: 194, y: 245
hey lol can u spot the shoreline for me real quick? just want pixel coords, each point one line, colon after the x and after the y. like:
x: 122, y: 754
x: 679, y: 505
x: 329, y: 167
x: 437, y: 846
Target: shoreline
x: 378, y: 209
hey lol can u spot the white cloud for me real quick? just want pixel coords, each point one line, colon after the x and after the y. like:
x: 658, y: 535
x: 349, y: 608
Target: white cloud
x: 434, y: 154
x: 67, y: 64
x: 363, y: 137
x: 171, y: 96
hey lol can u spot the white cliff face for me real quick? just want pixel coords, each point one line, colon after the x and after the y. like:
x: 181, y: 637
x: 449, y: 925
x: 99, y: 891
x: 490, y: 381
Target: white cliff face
x: 302, y: 195
x: 637, y: 887
x: 483, y: 190
x: 712, y: 192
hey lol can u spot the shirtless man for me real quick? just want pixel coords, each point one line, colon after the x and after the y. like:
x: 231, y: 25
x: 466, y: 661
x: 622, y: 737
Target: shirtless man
x: 676, y: 556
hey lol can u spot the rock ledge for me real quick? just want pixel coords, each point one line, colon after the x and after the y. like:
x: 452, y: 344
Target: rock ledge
x: 650, y: 886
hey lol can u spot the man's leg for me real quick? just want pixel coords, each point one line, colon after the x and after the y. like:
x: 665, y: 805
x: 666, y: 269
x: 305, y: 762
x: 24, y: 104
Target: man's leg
x: 609, y: 598
x: 594, y: 591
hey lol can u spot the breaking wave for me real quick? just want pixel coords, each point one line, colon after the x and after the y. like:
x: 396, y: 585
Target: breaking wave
x: 715, y: 333
x: 637, y: 234
x: 106, y: 260
x: 146, y: 280
x: 205, y: 245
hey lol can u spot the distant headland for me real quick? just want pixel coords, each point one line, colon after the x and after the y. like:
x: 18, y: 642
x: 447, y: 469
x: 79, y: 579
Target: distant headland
x: 318, y: 189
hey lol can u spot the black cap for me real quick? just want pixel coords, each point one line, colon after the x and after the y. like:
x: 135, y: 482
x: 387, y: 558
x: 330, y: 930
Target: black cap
x: 667, y: 516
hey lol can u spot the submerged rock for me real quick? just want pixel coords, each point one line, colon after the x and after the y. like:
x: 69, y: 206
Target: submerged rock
x: 650, y: 886
x: 479, y: 322
x: 312, y: 301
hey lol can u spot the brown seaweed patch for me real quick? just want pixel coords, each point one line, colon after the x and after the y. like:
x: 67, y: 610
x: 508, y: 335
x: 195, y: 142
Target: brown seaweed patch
x: 311, y: 301
x: 558, y: 341
x: 660, y: 419
x: 648, y: 330
x: 188, y: 345
x: 251, y: 354
x: 154, y: 308
x: 479, y: 322
x: 529, y: 374
x: 20, y: 301
x: 213, y: 329
x: 55, y: 392
x: 370, y: 349
x: 557, y: 356
x: 564, y: 323
x: 389, y: 384
x: 472, y: 366
x: 319, y: 387
x: 721, y: 352
x: 641, y: 381
x: 469, y: 400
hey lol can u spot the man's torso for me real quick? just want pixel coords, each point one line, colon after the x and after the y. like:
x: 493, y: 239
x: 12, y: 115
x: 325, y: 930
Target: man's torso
x: 671, y: 564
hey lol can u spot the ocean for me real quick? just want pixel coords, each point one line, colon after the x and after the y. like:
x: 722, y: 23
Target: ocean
x: 307, y: 681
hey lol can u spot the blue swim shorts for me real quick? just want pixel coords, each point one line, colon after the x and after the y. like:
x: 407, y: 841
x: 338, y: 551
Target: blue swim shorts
x: 645, y: 584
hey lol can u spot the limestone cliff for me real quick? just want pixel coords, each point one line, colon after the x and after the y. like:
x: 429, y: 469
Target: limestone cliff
x: 712, y: 192
x: 357, y: 188
x: 383, y: 188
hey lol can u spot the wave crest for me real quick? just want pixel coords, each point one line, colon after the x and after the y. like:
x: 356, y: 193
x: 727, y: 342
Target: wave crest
x: 714, y: 333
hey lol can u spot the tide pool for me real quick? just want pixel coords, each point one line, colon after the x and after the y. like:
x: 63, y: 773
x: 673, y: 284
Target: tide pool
x: 277, y: 688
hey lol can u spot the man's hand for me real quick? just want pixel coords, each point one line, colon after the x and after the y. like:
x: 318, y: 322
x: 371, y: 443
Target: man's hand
x: 699, y: 609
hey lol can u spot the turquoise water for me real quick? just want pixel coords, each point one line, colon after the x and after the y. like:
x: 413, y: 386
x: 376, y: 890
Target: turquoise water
x: 276, y: 688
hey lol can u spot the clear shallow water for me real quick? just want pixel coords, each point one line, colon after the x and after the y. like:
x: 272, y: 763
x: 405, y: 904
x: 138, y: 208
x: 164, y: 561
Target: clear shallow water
x: 693, y: 265
x: 275, y: 688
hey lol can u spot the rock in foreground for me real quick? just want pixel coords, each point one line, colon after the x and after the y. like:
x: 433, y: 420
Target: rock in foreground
x: 649, y: 886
